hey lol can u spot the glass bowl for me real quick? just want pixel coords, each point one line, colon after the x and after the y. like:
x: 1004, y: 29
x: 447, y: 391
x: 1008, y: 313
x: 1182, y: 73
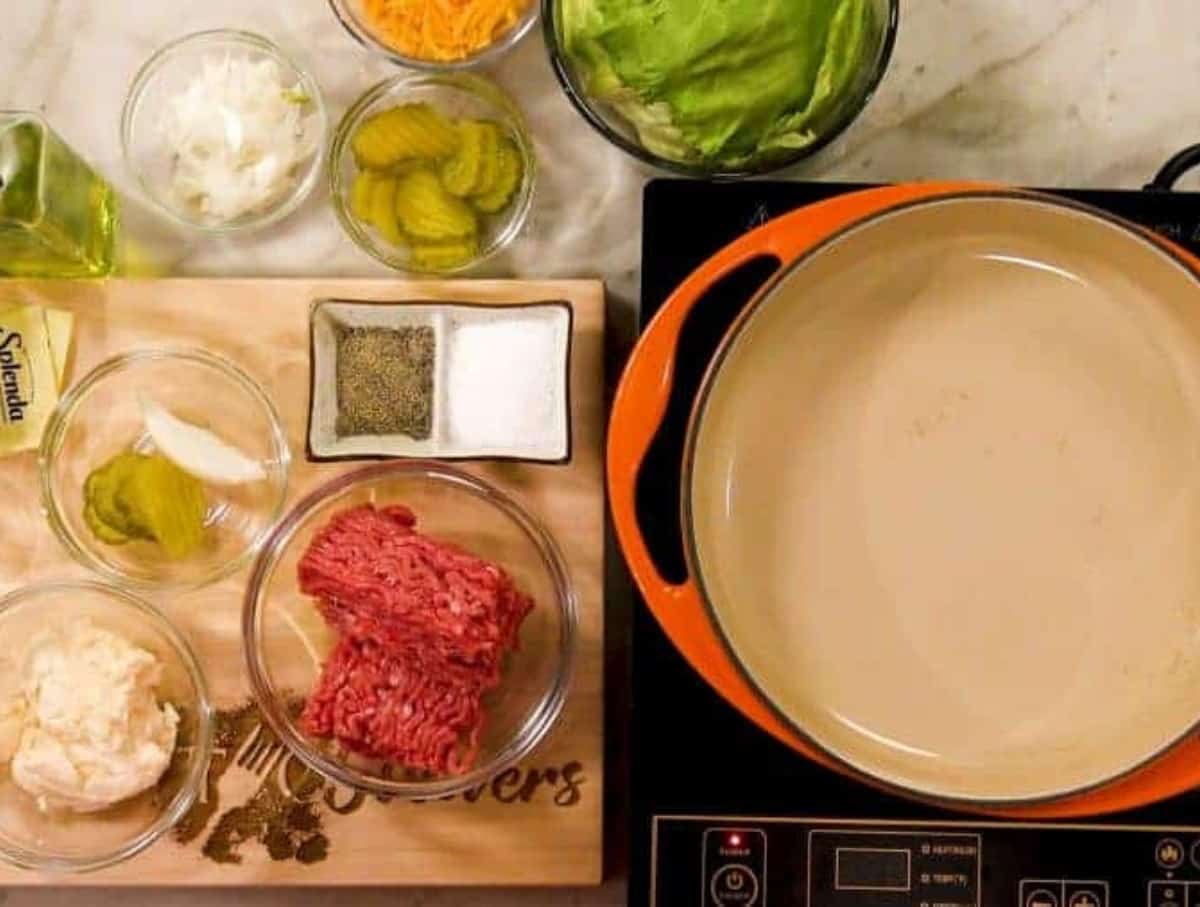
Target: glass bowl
x: 63, y: 842
x: 168, y: 73
x: 287, y: 641
x: 620, y: 132
x: 354, y: 19
x: 455, y: 95
x: 101, y: 416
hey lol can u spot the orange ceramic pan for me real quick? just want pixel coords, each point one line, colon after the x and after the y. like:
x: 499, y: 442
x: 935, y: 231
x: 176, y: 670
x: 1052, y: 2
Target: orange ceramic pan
x: 684, y: 612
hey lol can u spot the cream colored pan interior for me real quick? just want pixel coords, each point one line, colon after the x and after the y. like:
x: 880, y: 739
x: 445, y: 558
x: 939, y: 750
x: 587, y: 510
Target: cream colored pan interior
x: 945, y: 498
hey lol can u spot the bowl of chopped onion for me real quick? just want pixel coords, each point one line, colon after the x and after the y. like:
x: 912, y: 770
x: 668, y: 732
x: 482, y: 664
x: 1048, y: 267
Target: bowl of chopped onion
x: 435, y: 34
x: 223, y: 132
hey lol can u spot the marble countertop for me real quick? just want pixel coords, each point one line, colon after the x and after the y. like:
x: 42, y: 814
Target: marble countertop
x: 1069, y: 92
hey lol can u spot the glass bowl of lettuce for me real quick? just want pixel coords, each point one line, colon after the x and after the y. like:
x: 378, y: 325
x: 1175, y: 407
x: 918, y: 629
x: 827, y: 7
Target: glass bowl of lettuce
x: 720, y: 88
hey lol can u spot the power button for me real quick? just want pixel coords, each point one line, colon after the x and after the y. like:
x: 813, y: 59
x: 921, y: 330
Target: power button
x: 734, y: 872
x: 734, y: 885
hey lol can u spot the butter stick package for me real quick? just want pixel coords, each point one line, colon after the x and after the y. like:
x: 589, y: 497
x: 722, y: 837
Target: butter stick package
x: 28, y: 378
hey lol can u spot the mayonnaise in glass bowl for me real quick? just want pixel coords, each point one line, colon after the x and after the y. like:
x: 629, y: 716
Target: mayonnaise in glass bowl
x: 53, y: 839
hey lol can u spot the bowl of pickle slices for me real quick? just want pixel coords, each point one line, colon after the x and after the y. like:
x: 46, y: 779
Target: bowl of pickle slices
x: 432, y: 173
x: 164, y: 468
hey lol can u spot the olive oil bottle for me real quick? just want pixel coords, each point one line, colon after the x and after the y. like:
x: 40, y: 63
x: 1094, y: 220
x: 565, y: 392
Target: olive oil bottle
x: 58, y: 217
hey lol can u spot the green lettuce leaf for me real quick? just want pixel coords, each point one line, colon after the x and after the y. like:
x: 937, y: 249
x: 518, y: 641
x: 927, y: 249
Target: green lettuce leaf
x: 719, y: 82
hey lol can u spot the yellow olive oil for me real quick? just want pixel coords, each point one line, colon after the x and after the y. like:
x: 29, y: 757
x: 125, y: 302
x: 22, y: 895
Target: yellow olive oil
x: 58, y: 217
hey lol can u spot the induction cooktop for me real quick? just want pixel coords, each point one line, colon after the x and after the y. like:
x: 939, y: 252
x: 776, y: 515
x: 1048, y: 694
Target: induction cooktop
x: 723, y: 815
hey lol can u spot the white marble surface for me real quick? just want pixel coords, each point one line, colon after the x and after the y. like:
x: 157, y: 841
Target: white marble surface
x: 1046, y: 92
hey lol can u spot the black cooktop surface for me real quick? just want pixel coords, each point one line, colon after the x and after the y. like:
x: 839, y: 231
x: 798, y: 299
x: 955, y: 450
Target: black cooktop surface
x: 725, y: 816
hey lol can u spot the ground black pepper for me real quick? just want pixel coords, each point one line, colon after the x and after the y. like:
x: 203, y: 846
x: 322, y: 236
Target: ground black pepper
x: 385, y: 381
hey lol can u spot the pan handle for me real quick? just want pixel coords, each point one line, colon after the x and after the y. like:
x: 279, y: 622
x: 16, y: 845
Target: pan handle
x: 1174, y: 169
x: 641, y: 402
x: 637, y: 413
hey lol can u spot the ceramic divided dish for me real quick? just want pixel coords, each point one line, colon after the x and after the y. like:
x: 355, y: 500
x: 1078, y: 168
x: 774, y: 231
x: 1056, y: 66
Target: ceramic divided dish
x: 331, y: 316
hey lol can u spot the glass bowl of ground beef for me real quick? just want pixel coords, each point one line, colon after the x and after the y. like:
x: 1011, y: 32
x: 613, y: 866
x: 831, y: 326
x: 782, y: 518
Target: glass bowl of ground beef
x: 409, y: 630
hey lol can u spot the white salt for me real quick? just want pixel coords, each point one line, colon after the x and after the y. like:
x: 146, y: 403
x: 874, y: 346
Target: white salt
x: 505, y: 384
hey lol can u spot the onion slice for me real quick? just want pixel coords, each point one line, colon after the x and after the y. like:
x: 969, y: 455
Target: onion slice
x: 197, y: 450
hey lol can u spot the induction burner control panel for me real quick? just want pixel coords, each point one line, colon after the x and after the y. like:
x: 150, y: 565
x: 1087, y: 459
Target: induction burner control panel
x: 721, y: 862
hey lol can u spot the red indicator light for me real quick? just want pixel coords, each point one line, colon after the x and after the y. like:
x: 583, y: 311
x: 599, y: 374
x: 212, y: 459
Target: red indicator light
x: 735, y: 840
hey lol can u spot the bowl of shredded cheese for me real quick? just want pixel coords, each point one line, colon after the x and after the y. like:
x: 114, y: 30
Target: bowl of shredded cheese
x: 437, y: 34
x: 224, y: 132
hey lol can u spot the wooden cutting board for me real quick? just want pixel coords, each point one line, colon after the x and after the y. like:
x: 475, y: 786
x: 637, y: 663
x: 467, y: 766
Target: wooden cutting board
x: 276, y: 824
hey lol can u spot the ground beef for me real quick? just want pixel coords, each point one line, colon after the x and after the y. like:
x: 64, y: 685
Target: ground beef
x: 376, y: 578
x: 377, y: 705
x: 423, y: 627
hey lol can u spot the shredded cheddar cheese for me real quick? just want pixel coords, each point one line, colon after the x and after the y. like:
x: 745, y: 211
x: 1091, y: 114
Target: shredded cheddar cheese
x: 442, y: 29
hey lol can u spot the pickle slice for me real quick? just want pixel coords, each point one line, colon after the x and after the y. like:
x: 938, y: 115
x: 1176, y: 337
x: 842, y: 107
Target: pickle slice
x: 383, y: 209
x: 427, y: 211
x: 490, y: 175
x: 101, y: 529
x: 171, y: 503
x: 103, y: 495
x: 133, y: 496
x: 360, y: 195
x: 407, y: 131
x: 441, y: 256
x: 507, y: 177
x: 467, y: 172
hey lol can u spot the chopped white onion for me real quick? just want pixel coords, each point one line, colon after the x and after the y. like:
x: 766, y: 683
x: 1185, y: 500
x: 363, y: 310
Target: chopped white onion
x: 240, y: 136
